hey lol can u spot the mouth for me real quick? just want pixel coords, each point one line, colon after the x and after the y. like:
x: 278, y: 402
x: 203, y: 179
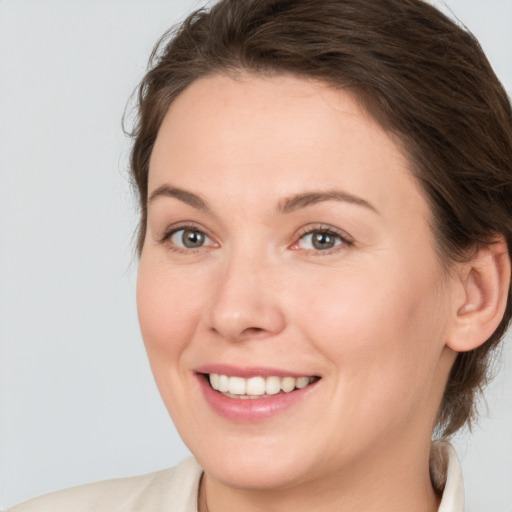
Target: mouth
x: 257, y: 387
x: 244, y: 395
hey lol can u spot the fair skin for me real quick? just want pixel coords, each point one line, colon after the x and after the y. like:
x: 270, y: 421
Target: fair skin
x: 287, y: 236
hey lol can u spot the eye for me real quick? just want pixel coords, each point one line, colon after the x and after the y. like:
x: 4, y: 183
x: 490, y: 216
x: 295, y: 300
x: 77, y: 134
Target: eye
x: 320, y: 239
x: 188, y: 238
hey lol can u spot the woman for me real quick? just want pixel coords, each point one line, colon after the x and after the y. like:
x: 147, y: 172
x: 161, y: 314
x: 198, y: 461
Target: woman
x: 326, y: 212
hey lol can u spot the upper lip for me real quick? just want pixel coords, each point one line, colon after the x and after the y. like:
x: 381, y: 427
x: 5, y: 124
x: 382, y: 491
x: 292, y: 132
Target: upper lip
x: 249, y: 371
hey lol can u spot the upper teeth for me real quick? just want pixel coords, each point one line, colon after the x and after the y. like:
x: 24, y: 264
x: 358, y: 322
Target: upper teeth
x: 257, y: 386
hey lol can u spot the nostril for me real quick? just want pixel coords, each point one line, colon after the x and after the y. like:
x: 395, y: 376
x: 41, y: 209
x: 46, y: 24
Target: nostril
x: 253, y: 330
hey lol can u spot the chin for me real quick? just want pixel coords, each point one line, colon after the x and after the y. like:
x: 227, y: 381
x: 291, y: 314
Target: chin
x: 253, y: 465
x: 262, y: 475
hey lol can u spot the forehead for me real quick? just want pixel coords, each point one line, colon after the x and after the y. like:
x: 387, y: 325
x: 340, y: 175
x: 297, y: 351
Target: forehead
x: 231, y: 135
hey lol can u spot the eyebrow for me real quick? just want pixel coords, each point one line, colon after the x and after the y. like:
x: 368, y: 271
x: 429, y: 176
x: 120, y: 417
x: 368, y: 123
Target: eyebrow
x: 287, y: 205
x: 299, y: 201
x: 183, y: 195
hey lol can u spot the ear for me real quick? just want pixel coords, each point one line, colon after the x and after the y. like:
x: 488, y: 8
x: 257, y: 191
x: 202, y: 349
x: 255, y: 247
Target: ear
x: 479, y: 307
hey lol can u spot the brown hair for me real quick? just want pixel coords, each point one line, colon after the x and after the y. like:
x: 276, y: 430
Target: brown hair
x: 422, y: 77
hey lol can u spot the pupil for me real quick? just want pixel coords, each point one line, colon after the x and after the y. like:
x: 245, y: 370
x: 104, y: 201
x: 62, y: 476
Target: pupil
x: 192, y: 238
x: 323, y: 241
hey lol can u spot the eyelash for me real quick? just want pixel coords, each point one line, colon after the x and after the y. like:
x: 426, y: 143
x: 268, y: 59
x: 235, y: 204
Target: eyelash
x: 344, y: 240
x: 170, y: 232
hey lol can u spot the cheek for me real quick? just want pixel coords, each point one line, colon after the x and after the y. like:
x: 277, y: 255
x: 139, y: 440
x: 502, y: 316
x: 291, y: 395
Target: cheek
x: 168, y: 310
x: 381, y: 333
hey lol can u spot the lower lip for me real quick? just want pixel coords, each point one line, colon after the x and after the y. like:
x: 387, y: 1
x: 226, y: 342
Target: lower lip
x: 250, y: 410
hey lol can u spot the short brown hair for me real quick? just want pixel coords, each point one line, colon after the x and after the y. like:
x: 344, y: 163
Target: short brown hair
x: 421, y: 76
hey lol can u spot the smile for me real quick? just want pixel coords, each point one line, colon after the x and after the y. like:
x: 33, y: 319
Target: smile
x: 253, y: 395
x: 257, y: 387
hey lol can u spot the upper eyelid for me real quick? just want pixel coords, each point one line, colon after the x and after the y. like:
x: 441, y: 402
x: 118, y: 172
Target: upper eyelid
x: 207, y: 241
x: 346, y: 240
x: 325, y: 228
x: 174, y: 228
x: 170, y: 231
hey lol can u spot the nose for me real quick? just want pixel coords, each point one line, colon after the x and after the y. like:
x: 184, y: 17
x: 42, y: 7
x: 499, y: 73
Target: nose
x: 245, y: 301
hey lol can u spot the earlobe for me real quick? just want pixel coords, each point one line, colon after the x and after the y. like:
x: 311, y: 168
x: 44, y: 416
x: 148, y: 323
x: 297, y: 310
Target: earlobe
x: 485, y: 281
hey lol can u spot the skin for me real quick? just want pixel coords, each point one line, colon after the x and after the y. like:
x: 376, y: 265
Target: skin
x: 371, y: 316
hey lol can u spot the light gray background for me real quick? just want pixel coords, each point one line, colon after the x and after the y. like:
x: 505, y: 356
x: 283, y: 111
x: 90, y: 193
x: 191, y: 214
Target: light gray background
x: 77, y: 399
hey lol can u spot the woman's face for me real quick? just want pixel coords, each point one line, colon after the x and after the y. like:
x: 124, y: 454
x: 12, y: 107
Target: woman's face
x: 288, y: 244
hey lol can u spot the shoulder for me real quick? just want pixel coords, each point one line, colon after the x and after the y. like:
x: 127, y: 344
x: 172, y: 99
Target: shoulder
x: 171, y: 489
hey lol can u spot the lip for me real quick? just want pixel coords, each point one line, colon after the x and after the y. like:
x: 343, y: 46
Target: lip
x: 250, y: 410
x: 248, y: 372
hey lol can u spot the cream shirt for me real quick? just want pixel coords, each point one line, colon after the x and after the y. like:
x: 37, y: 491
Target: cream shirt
x: 176, y: 489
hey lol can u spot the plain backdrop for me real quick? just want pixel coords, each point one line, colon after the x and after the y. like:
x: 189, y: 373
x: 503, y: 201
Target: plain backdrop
x: 77, y: 399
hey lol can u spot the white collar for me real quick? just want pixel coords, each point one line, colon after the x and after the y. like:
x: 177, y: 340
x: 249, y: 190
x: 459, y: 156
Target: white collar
x: 447, y: 475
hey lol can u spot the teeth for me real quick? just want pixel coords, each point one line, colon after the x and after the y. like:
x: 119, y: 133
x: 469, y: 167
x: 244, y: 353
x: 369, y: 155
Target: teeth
x: 257, y: 387
x: 223, y: 383
x: 214, y: 380
x: 288, y: 384
x: 273, y: 385
x: 237, y: 386
x: 302, y: 382
x: 254, y: 386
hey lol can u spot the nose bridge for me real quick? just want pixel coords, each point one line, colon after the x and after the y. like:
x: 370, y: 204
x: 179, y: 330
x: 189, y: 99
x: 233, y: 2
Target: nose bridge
x: 245, y: 303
